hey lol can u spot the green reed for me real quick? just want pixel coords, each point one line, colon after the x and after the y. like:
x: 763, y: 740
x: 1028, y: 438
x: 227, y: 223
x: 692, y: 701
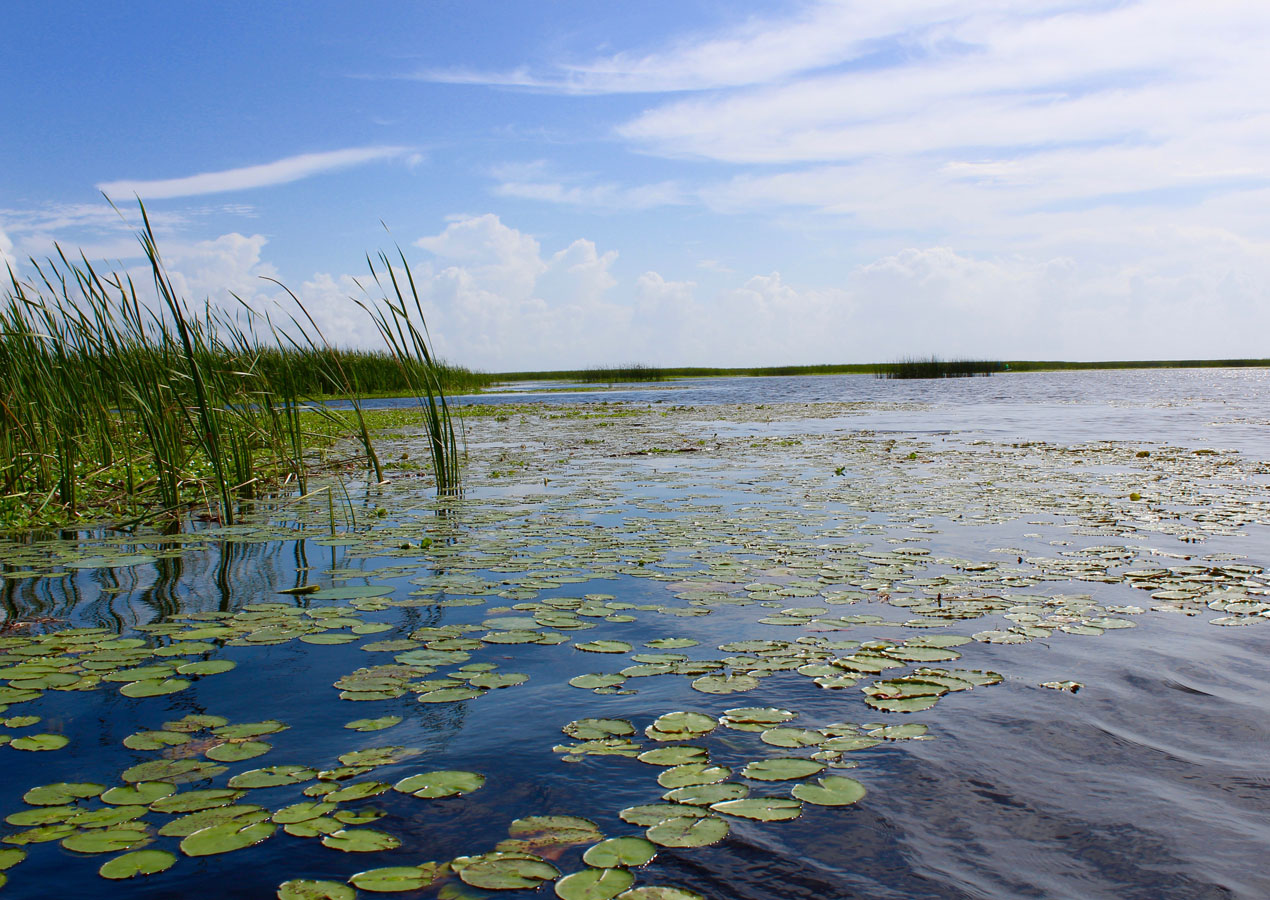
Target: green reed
x: 934, y: 367
x: 121, y: 408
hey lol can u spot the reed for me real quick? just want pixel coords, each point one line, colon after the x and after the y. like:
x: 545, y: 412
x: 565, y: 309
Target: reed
x: 115, y: 407
x: 934, y: 367
x: 631, y: 372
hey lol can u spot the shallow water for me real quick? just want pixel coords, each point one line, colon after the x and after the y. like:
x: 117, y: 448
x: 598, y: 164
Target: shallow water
x: 1149, y: 782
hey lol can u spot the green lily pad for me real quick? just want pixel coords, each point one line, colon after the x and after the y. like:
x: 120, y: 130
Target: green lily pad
x: 673, y: 756
x: 195, y: 722
x: 593, y: 680
x: 155, y: 740
x: 226, y: 838
x: 705, y: 794
x: 378, y: 756
x: 450, y: 695
x: 554, y: 830
x: 61, y: 794
x: 359, y: 791
x: 659, y: 892
x: 154, y: 687
x: 193, y: 801
x: 833, y: 790
x: 693, y: 774
x: 40, y: 742
x: 176, y: 771
x: 41, y: 834
x: 397, y: 878
x: 244, y: 814
x: 785, y: 769
x: 249, y: 730
x: 272, y: 776
x: 10, y: 857
x: 207, y: 667
x: 143, y: 793
x: 792, y: 737
x: 309, y: 889
x: 594, y: 884
x: 725, y: 684
x: 138, y: 862
x: 620, y: 851
x: 598, y: 729
x: 688, y: 831
x: 238, y: 751
x: 42, y: 815
x: 352, y: 592
x: 604, y: 647
x: 360, y: 840
x: 105, y: 840
x: 373, y: 724
x: 505, y: 871
x: 677, y: 726
x: 444, y: 783
x: 302, y: 812
x: 764, y: 809
x: 655, y: 813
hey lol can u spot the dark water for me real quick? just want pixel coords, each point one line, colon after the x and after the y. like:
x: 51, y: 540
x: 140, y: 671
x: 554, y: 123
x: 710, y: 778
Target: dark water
x: 1153, y: 781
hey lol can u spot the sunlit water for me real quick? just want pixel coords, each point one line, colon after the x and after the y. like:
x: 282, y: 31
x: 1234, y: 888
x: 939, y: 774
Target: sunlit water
x: 1150, y: 782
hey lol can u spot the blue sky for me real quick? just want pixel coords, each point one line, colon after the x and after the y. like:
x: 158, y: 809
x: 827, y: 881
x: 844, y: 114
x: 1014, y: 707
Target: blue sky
x: 674, y: 183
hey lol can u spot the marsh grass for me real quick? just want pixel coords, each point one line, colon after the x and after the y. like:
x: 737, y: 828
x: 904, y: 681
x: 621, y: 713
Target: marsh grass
x: 631, y: 372
x: 934, y: 367
x: 114, y: 407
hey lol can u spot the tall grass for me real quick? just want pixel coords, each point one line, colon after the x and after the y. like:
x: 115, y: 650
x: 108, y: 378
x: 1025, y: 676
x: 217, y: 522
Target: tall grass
x: 934, y: 367
x: 128, y: 406
x: 631, y: 372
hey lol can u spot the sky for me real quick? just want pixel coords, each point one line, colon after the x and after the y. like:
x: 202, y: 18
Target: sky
x: 695, y: 182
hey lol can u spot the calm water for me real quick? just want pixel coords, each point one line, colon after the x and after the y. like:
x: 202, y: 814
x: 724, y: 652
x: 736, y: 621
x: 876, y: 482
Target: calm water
x: 1150, y: 782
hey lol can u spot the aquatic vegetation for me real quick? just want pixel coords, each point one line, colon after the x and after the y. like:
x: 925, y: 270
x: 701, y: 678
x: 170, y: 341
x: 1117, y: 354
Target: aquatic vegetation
x: 934, y: 367
x: 123, y: 405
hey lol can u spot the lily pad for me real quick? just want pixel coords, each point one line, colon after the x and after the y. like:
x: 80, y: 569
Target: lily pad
x: 154, y: 687
x: 40, y: 742
x: 705, y: 794
x: 604, y: 647
x: 620, y: 851
x: 226, y: 838
x: 239, y: 751
x: 105, y: 840
x: 360, y: 840
x: 833, y: 790
x: 193, y: 801
x: 373, y: 724
x: 505, y: 871
x: 764, y: 809
x: 308, y: 889
x: 594, y: 884
x: 61, y: 793
x: 688, y: 831
x: 397, y: 878
x: 659, y: 892
x: 176, y: 771
x: 138, y: 862
x: 443, y: 783
x: 784, y: 769
x: 272, y: 776
x: 677, y: 726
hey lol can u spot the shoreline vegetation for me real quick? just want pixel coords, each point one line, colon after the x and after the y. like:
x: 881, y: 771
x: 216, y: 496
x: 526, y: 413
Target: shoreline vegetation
x: 122, y: 406
x: 638, y: 372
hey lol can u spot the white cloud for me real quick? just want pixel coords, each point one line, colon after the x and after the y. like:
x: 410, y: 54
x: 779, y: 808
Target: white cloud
x: 282, y: 171
x: 7, y: 259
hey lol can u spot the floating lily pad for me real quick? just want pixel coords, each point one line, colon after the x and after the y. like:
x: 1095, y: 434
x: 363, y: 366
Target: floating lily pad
x: 594, y: 884
x: 764, y: 809
x: 155, y: 687
x: 302, y: 812
x: 673, y: 756
x: 693, y: 774
x: 555, y: 830
x: 193, y: 801
x: 138, y: 862
x: 505, y: 871
x: 444, y: 783
x: 249, y: 730
x: 374, y: 724
x: 105, y: 840
x: 272, y: 776
x: 176, y: 771
x: 40, y: 742
x: 595, y: 680
x: 360, y: 840
x: 604, y: 647
x: 243, y: 814
x: 358, y: 791
x: 725, y: 684
x: 226, y: 838
x: 688, y: 831
x: 833, y: 790
x: 207, y: 667
x: 239, y: 751
x: 659, y: 892
x: 705, y: 794
x: 396, y: 878
x: 155, y: 740
x: 678, y: 726
x: 619, y: 852
x: 785, y: 769
x: 61, y: 794
x: 307, y: 889
x: 10, y: 857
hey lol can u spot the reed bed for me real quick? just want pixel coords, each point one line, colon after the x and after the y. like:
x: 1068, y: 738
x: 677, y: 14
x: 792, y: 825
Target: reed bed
x: 934, y: 367
x: 631, y: 372
x: 114, y: 406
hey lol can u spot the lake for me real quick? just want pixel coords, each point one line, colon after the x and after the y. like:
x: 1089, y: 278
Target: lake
x: 823, y: 637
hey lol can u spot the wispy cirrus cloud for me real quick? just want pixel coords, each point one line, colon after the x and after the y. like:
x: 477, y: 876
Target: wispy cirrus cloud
x: 282, y: 171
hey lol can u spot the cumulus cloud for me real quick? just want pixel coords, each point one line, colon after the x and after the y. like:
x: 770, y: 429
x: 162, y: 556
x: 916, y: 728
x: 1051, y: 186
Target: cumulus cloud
x: 282, y: 171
